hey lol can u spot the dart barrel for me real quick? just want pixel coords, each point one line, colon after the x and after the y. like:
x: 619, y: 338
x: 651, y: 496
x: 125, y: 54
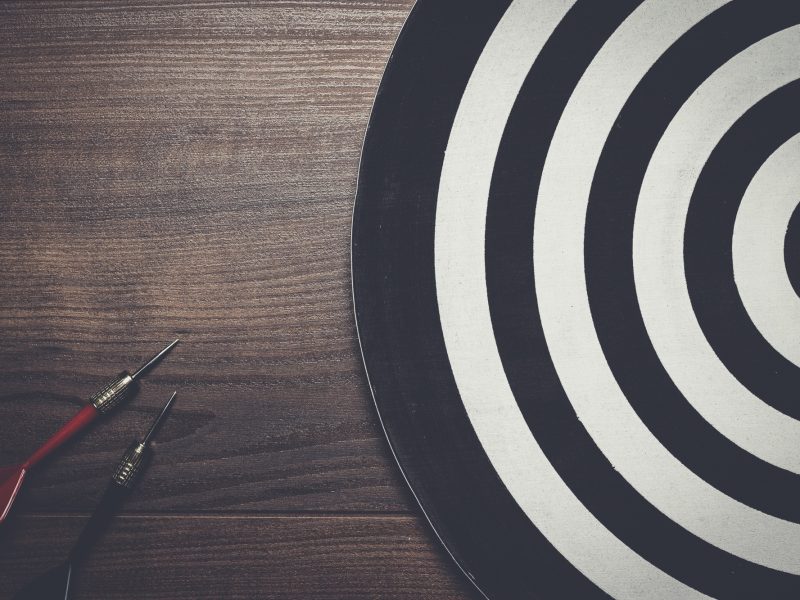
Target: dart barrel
x: 129, y: 467
x: 113, y: 394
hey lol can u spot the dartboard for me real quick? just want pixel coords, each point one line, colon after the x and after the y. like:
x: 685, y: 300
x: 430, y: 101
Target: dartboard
x: 576, y: 270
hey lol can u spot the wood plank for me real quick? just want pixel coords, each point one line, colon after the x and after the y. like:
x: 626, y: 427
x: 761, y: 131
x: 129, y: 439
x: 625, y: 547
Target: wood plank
x: 174, y: 558
x: 188, y: 168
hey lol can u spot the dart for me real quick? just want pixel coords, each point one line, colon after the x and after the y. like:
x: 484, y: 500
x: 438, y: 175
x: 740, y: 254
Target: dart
x: 101, y: 403
x: 56, y: 582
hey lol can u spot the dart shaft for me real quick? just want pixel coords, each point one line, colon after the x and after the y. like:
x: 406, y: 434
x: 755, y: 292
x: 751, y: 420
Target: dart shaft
x: 123, y: 480
x: 100, y: 403
x: 101, y: 517
x: 76, y: 424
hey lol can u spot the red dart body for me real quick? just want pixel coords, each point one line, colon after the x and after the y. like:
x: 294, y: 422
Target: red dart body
x: 105, y: 401
x: 11, y: 477
x: 77, y: 423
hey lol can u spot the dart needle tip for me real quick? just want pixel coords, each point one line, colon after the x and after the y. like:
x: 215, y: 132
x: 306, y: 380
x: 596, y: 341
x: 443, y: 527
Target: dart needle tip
x: 158, y: 419
x: 155, y: 359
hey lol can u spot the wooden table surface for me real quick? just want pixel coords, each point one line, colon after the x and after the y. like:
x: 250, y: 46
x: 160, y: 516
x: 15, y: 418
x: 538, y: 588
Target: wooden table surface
x: 188, y: 169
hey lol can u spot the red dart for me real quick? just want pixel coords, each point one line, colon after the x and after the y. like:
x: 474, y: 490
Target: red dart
x: 101, y: 403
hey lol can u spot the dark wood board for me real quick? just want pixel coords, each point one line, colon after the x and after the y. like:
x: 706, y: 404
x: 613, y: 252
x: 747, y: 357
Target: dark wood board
x: 188, y: 169
x: 176, y: 558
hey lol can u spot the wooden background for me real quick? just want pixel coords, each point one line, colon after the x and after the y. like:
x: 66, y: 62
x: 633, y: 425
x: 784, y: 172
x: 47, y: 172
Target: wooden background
x: 189, y: 168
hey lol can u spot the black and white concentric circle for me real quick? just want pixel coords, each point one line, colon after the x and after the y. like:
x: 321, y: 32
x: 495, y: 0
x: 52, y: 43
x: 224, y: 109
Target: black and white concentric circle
x: 575, y: 271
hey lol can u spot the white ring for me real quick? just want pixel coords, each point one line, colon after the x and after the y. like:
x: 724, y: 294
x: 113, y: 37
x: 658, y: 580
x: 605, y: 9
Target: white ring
x: 758, y: 238
x: 463, y: 303
x: 558, y: 241
x: 661, y: 286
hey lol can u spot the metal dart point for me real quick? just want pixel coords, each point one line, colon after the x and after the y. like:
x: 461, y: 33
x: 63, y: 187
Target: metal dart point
x: 150, y: 363
x: 130, y: 466
x: 56, y: 583
x: 115, y: 392
x: 101, y: 403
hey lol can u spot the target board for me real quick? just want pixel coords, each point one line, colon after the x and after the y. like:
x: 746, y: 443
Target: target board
x: 576, y: 272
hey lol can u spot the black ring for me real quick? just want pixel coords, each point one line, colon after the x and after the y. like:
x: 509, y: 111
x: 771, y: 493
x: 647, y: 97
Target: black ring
x: 708, y: 243
x: 487, y: 533
x: 791, y: 250
x: 510, y: 283
x: 609, y: 268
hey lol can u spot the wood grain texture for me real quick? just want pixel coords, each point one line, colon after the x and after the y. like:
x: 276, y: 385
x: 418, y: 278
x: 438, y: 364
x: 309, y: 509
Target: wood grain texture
x: 219, y: 558
x: 189, y: 168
